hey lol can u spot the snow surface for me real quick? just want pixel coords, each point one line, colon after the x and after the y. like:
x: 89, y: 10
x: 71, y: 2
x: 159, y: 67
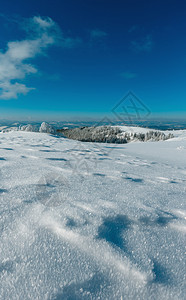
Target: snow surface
x: 91, y: 221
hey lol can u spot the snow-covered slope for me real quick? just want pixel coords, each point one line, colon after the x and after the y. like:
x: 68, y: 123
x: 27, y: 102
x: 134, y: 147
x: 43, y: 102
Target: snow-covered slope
x: 91, y: 221
x: 134, y: 129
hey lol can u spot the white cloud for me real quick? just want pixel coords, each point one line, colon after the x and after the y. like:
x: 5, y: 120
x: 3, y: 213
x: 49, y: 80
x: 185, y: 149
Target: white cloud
x: 14, y: 62
x: 145, y: 44
x: 12, y: 90
x: 43, y: 23
x: 97, y: 33
x: 70, y: 42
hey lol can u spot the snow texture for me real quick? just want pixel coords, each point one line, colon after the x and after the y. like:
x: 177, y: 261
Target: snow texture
x: 91, y: 221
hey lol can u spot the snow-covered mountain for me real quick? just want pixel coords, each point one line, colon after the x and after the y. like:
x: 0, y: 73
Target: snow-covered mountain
x: 92, y: 220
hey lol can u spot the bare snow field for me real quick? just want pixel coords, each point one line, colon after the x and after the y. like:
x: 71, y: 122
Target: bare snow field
x: 92, y: 221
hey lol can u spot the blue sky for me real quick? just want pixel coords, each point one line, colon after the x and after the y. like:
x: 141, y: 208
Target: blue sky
x: 76, y: 57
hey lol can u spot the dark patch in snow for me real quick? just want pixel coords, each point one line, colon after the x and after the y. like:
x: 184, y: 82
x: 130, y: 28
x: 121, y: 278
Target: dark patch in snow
x: 78, y: 291
x: 85, y: 150
x: 115, y: 147
x: 49, y: 151
x: 7, y: 149
x: 161, y: 273
x: 112, y: 229
x: 2, y: 158
x: 28, y: 201
x: 163, y: 219
x: 77, y: 150
x: 139, y: 180
x: 102, y: 154
x: 104, y: 158
x: 3, y: 191
x: 57, y: 159
x: 98, y: 174
x: 71, y: 223
x: 172, y: 181
x: 39, y: 146
x: 6, y: 266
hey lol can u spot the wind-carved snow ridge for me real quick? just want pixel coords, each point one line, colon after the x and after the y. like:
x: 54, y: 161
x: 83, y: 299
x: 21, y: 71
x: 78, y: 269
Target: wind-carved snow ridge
x: 117, y: 231
x: 97, y: 250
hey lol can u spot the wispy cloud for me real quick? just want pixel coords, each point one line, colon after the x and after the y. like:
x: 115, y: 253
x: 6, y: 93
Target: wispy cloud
x: 15, y: 61
x: 97, y: 33
x: 143, y: 44
x: 69, y: 42
x: 128, y: 75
